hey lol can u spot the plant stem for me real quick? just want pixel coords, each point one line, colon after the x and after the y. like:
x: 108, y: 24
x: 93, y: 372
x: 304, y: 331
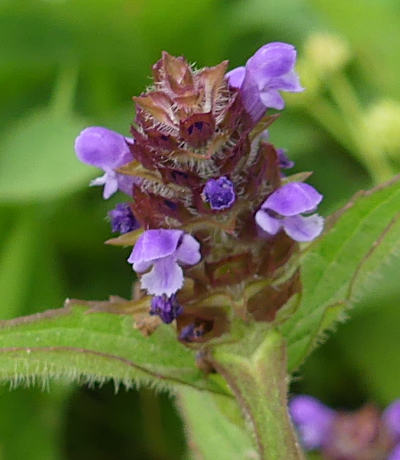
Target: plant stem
x: 259, y: 382
x: 64, y: 91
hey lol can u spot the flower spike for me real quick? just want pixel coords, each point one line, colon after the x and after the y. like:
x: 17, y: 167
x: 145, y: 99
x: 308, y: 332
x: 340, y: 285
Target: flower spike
x: 201, y: 172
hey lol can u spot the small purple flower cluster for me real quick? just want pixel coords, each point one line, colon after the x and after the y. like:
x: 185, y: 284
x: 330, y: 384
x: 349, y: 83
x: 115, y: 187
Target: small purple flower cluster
x: 204, y: 181
x: 366, y: 434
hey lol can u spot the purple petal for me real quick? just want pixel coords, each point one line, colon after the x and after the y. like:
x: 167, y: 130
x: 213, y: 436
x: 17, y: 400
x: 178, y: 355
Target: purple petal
x: 110, y: 186
x: 113, y: 182
x: 251, y: 98
x: 302, y: 229
x: 395, y: 454
x: 125, y: 183
x: 289, y: 82
x: 153, y: 245
x: 293, y: 198
x: 391, y: 418
x: 166, y: 277
x: 141, y: 266
x: 236, y: 76
x: 312, y: 419
x: 271, y: 61
x: 188, y: 251
x: 110, y: 182
x: 269, y: 70
x: 103, y: 148
x: 272, y: 99
x: 269, y: 224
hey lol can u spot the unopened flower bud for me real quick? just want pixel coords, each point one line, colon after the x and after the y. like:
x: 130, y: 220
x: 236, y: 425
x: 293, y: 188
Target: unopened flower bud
x: 167, y: 308
x: 122, y: 219
x: 219, y: 193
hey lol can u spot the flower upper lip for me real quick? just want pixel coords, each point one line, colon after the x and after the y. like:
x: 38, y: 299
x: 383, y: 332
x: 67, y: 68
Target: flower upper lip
x: 268, y: 71
x: 108, y: 150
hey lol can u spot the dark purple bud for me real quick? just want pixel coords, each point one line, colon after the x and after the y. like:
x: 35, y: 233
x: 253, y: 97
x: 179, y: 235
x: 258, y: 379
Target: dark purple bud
x: 219, y: 193
x: 122, y: 219
x: 187, y: 333
x: 191, y: 332
x: 167, y: 308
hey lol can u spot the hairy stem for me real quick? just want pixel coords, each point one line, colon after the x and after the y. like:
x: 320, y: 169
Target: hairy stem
x: 259, y: 383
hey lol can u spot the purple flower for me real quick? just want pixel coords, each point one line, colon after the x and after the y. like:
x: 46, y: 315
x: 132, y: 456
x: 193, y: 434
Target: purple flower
x: 107, y: 150
x: 391, y: 418
x: 164, y: 251
x: 283, y: 209
x: 395, y: 454
x: 122, y: 219
x: 312, y: 419
x: 268, y: 71
x: 167, y: 308
x: 219, y: 193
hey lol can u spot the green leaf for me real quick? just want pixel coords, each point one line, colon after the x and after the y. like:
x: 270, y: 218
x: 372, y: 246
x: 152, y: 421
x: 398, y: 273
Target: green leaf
x: 76, y: 344
x: 37, y: 160
x: 210, y: 433
x: 336, y: 268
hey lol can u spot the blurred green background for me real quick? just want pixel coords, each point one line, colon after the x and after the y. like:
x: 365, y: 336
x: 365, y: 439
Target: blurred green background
x: 67, y: 64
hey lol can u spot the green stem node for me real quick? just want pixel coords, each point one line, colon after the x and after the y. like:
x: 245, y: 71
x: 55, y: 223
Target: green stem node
x: 259, y: 382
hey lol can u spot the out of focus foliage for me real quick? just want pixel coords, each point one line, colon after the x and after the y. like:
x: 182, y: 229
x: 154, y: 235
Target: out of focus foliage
x: 67, y: 64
